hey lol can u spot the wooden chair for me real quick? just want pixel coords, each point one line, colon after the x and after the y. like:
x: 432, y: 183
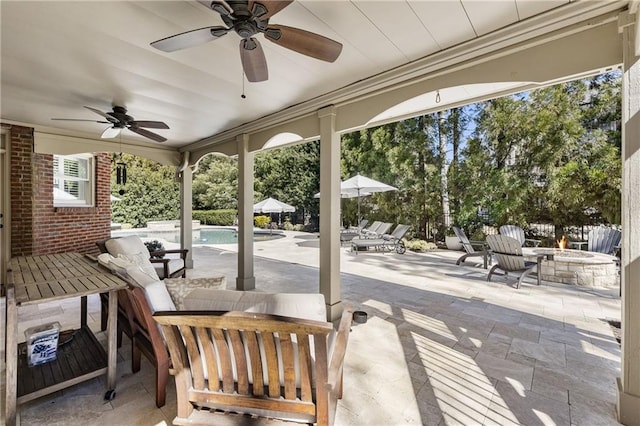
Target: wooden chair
x: 146, y: 340
x: 509, y: 258
x: 135, y: 320
x: 516, y: 232
x: 255, y: 364
x: 470, y: 248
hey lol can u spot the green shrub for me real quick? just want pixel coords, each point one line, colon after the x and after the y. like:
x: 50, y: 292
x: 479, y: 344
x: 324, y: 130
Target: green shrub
x: 288, y: 226
x: 420, y: 246
x: 215, y: 217
x: 299, y: 227
x: 261, y: 221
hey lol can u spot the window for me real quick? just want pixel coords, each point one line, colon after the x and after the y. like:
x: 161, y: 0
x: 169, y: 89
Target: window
x: 73, y: 178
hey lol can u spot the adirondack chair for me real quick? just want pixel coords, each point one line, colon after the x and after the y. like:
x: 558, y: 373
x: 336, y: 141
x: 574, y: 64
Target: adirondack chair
x: 509, y: 258
x: 516, y: 232
x: 470, y: 248
x: 602, y: 240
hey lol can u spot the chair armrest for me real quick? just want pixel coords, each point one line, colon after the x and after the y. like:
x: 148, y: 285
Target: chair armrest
x: 483, y: 244
x: 182, y: 252
x: 577, y: 244
x: 336, y: 362
x: 535, y: 243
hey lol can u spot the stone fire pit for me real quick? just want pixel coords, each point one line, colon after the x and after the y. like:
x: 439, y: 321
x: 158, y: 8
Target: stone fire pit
x: 582, y: 268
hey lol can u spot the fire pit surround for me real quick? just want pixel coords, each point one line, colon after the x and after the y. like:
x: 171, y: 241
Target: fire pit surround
x: 576, y: 267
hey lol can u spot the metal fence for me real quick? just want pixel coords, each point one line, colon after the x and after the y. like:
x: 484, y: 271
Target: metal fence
x: 542, y: 231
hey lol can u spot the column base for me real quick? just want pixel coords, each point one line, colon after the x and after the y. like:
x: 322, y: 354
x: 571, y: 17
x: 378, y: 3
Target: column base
x: 334, y: 312
x: 245, y: 283
x: 627, y: 407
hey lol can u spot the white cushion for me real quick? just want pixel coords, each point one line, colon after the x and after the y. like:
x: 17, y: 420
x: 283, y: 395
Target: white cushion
x: 309, y: 306
x: 178, y: 288
x: 140, y: 277
x: 104, y: 259
x: 133, y: 249
x: 158, y: 297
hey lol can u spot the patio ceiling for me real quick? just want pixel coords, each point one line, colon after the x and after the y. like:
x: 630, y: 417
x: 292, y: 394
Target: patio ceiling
x: 60, y: 56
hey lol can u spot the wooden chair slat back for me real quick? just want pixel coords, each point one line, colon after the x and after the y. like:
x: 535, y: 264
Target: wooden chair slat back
x: 243, y: 345
x: 508, y: 252
x: 466, y: 244
x: 603, y: 240
x: 513, y: 231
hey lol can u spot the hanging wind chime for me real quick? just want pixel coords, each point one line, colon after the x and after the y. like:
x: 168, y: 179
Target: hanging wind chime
x: 121, y: 174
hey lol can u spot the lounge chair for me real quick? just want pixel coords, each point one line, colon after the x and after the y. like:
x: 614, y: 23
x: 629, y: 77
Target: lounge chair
x: 377, y: 232
x: 470, y: 248
x: 386, y: 242
x: 350, y: 233
x: 509, y: 258
x: 516, y: 232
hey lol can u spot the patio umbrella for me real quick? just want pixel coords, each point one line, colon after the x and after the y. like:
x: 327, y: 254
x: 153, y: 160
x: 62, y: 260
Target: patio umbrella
x: 362, y: 185
x: 271, y: 205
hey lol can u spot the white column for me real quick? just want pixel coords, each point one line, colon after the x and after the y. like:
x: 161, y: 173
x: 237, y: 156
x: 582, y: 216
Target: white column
x: 245, y: 279
x: 628, y: 403
x: 330, y: 213
x: 186, y: 210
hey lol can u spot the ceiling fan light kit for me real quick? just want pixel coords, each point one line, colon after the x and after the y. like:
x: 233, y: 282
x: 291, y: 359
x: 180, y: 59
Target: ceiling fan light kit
x: 247, y: 19
x: 119, y: 119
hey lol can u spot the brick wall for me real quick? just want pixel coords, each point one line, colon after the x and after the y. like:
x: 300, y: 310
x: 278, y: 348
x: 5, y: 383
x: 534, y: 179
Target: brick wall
x: 37, y: 227
x: 21, y: 149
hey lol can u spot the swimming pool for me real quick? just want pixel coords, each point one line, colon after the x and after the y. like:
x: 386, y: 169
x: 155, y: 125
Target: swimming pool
x: 202, y: 236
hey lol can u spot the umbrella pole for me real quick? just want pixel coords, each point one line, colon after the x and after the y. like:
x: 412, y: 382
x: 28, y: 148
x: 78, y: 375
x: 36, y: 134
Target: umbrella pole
x: 358, y: 218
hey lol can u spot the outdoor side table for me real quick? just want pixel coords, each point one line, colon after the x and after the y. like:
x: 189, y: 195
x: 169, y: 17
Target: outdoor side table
x: 32, y: 280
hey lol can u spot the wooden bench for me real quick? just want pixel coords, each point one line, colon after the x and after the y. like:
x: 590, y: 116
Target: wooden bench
x: 256, y: 364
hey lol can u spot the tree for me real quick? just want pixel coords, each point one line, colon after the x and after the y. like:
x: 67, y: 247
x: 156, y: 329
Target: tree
x: 290, y: 174
x: 151, y: 192
x: 215, y: 184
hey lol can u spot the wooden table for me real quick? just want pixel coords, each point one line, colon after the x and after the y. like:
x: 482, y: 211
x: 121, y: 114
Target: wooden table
x: 32, y: 280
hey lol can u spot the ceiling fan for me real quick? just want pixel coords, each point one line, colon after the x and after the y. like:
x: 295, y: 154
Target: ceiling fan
x: 119, y: 120
x: 248, y: 18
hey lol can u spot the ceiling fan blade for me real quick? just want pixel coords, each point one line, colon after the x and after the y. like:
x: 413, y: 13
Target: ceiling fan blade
x: 254, y: 63
x: 109, y: 118
x: 111, y: 132
x: 147, y: 134
x: 149, y: 124
x: 220, y: 6
x: 272, y: 7
x: 305, y: 42
x: 189, y: 39
x: 81, y: 119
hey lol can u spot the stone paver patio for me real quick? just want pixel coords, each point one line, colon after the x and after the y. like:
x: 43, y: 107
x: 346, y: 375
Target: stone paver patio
x: 441, y: 346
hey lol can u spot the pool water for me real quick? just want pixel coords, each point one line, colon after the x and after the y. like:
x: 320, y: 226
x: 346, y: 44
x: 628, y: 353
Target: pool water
x: 203, y: 236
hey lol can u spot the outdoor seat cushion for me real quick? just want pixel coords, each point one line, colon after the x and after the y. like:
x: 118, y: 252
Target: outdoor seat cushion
x: 179, y: 288
x: 309, y: 306
x: 133, y: 249
x: 155, y: 290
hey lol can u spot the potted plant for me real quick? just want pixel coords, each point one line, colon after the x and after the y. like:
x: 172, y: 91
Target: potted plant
x: 451, y: 240
x: 153, y: 246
